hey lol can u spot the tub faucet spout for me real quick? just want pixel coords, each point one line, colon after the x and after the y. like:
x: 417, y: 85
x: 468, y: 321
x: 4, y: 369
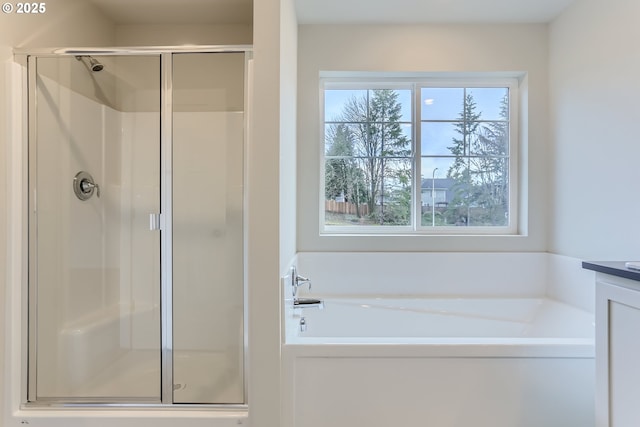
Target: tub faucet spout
x: 308, y: 303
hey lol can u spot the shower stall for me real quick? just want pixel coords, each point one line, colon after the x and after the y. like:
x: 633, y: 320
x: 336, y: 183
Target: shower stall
x: 136, y: 228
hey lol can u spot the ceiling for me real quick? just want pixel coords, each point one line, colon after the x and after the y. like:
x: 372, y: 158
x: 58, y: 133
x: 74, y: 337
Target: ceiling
x: 336, y: 11
x: 177, y: 11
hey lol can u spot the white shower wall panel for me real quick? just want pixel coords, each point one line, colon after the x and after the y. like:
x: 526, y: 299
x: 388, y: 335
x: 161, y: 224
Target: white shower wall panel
x: 102, y: 259
x: 74, y: 271
x: 52, y: 223
x: 71, y: 139
x: 90, y: 253
x: 208, y: 231
x: 111, y: 201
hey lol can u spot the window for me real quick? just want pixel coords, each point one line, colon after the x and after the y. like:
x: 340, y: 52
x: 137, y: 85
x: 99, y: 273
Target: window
x: 419, y: 156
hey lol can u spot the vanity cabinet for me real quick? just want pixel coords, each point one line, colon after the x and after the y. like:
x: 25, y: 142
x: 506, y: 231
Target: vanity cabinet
x: 617, y: 345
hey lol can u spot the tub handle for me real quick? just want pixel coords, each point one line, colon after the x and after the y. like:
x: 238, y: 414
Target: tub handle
x: 297, y: 280
x: 303, y: 281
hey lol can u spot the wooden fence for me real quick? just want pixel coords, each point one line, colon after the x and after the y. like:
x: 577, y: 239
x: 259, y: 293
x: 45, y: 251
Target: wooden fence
x: 345, y: 207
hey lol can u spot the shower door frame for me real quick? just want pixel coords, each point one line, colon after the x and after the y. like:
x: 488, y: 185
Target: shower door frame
x: 29, y: 348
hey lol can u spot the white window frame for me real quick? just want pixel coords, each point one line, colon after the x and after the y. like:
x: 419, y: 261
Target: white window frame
x: 416, y: 82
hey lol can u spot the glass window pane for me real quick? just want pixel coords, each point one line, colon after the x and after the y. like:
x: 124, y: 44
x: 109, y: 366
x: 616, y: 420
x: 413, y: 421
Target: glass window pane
x: 368, y: 140
x: 441, y: 103
x: 370, y: 192
x: 404, y: 98
x: 389, y: 105
x: 393, y: 201
x: 470, y: 209
x: 490, y: 139
x: 345, y: 105
x: 476, y: 191
x: 441, y: 138
x: 407, y: 130
x: 346, y: 191
x: 435, y: 191
x: 339, y: 139
x: 435, y: 166
x: 492, y: 102
x: 394, y: 140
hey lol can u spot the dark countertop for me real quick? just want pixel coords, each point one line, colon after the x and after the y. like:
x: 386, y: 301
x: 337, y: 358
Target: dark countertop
x: 614, y: 268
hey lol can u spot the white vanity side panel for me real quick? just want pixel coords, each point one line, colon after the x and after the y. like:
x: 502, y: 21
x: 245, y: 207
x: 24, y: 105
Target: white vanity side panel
x: 617, y: 352
x: 624, y: 355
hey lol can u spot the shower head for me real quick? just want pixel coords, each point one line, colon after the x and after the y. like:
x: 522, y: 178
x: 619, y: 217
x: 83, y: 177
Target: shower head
x: 94, y: 64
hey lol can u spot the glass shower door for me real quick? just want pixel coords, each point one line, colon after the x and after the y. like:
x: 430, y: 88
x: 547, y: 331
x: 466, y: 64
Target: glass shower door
x: 208, y: 218
x: 94, y: 257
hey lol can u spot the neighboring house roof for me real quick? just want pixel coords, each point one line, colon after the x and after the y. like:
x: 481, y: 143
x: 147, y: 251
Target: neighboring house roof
x: 438, y: 183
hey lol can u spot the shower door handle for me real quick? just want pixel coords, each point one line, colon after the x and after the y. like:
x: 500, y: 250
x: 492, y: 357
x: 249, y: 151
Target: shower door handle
x: 154, y: 222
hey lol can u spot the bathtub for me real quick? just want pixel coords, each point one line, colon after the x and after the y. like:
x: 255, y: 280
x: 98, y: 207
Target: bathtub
x: 441, y: 362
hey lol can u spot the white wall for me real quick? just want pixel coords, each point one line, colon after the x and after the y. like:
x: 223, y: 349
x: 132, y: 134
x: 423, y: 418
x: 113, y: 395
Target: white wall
x: 264, y: 245
x: 503, y: 274
x: 595, y: 87
x: 425, y: 274
x: 419, y: 48
x: 176, y: 35
x: 288, y: 148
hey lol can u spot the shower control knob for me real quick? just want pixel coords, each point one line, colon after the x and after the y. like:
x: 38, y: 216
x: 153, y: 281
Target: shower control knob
x: 87, y: 187
x: 84, y: 186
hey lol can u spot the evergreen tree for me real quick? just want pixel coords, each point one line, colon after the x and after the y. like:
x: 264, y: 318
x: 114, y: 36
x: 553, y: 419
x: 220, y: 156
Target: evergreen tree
x: 467, y: 127
x: 480, y: 167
